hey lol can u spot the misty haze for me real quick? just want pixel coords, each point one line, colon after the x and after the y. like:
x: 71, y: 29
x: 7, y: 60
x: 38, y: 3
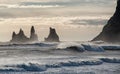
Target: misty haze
x: 60, y: 36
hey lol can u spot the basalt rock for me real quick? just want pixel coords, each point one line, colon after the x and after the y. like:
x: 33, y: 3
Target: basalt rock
x: 33, y: 36
x: 53, y: 36
x: 111, y: 31
x: 21, y: 38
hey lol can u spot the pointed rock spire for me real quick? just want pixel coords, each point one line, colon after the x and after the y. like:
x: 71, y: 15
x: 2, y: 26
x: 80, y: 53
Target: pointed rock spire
x: 14, y: 34
x: 32, y: 30
x: 33, y: 36
x: 19, y: 38
x: 53, y: 36
x: 21, y: 32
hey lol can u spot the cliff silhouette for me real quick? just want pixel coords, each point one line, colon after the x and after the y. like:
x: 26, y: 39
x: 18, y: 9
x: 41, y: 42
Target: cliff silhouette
x: 53, y: 36
x: 111, y: 31
x: 21, y: 38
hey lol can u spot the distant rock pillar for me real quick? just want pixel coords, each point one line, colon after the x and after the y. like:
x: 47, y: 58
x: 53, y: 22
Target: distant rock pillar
x: 53, y: 36
x: 33, y: 36
x: 19, y: 38
x: 13, y: 36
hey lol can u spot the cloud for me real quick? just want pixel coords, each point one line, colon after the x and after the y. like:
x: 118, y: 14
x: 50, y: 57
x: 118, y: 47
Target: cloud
x: 26, y: 6
x: 89, y: 22
x: 39, y: 8
x: 73, y: 2
x: 18, y: 1
x: 1, y: 20
x: 59, y: 20
x: 55, y: 3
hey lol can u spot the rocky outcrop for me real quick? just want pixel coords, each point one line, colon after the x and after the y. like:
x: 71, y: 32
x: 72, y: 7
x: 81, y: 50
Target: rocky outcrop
x: 33, y: 36
x: 21, y: 38
x: 52, y: 37
x: 111, y: 31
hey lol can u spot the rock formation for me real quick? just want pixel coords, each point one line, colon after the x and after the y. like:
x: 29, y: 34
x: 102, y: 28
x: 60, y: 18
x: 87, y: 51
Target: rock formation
x: 33, y: 36
x: 52, y: 37
x: 21, y: 38
x: 111, y: 31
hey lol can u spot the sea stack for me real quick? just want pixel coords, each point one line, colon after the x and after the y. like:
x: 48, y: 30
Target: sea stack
x: 21, y: 38
x: 111, y: 31
x: 33, y: 35
x: 53, y: 36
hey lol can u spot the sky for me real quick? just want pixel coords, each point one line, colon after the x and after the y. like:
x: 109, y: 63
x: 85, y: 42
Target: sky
x: 74, y: 20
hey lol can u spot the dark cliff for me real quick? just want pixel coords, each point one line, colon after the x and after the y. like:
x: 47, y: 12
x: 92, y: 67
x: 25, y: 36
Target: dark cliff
x: 111, y: 31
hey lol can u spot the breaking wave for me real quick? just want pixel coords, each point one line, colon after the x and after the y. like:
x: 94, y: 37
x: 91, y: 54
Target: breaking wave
x: 49, y: 57
x: 109, y: 60
x: 38, y: 68
x: 31, y: 44
x: 74, y: 46
x: 35, y: 67
x: 80, y: 47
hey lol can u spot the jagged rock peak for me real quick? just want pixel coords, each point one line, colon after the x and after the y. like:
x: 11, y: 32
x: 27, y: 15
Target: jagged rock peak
x: 33, y: 36
x: 32, y: 30
x: 52, y: 30
x: 21, y: 31
x: 13, y: 34
x: 53, y: 36
x: 21, y: 38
